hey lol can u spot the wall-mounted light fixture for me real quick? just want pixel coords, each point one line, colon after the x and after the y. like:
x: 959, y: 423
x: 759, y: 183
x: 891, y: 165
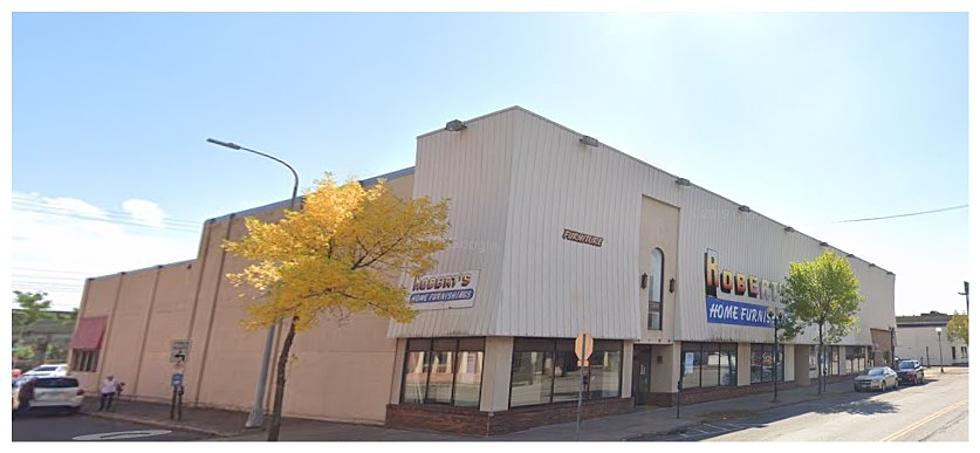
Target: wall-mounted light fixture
x: 872, y: 265
x: 744, y: 208
x: 588, y: 141
x: 824, y: 244
x: 670, y: 287
x: 789, y: 229
x: 643, y: 281
x: 850, y: 255
x: 683, y: 182
x: 889, y: 273
x: 455, y: 126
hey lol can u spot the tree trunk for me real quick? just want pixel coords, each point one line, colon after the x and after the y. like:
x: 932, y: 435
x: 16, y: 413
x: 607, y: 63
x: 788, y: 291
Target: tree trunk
x: 287, y: 344
x: 820, y: 360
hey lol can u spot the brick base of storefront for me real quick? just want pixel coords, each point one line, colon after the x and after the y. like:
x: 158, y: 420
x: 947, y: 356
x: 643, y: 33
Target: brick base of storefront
x: 700, y: 395
x: 475, y: 422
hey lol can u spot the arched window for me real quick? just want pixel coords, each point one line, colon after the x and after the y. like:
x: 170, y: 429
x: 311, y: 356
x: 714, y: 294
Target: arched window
x: 656, y: 291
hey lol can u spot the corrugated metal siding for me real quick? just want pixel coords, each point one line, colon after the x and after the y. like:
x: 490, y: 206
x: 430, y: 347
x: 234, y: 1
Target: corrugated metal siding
x: 472, y: 169
x: 517, y: 180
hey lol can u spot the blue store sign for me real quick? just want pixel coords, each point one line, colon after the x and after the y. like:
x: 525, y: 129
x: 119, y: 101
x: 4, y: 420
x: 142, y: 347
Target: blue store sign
x: 722, y: 311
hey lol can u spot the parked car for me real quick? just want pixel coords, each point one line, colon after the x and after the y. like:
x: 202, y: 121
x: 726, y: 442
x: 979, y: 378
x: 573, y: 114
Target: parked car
x: 51, y: 392
x: 880, y: 378
x: 48, y: 370
x: 911, y: 372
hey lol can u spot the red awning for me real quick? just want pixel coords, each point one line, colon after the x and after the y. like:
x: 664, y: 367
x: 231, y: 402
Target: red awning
x: 88, y: 333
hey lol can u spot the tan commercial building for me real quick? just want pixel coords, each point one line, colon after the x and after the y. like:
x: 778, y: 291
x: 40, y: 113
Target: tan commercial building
x: 553, y: 233
x: 916, y: 338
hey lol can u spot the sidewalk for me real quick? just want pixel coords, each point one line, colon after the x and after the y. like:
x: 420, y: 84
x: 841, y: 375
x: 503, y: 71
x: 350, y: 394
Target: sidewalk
x: 229, y: 425
x: 212, y: 422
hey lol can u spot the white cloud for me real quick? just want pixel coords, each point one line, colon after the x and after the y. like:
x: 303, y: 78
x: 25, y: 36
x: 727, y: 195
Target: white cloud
x: 59, y: 241
x: 144, y: 211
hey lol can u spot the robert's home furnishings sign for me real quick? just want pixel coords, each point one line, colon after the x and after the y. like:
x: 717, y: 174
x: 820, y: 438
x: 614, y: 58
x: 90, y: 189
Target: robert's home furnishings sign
x: 453, y: 290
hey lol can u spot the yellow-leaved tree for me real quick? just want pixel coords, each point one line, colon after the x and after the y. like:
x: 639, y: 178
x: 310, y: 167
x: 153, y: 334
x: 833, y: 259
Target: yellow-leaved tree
x: 342, y: 252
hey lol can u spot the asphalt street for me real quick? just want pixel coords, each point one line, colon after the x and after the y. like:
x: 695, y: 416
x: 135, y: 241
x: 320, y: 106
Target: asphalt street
x: 59, y: 427
x: 936, y: 411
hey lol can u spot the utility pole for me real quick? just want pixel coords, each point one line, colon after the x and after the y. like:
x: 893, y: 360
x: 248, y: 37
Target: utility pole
x: 966, y: 293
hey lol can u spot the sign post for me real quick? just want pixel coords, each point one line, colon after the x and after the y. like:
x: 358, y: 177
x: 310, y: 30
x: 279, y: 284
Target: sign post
x: 583, y: 350
x: 177, y: 395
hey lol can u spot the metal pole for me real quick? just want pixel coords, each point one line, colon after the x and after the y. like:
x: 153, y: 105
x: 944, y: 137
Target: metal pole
x: 775, y: 359
x: 578, y: 411
x: 940, y: 336
x: 257, y: 414
x: 680, y: 387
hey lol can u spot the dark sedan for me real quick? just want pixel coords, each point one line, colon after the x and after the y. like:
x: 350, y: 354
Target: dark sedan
x: 911, y: 372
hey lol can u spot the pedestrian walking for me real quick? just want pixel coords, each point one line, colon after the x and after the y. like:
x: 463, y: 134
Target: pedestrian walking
x: 107, y: 393
x: 25, y: 394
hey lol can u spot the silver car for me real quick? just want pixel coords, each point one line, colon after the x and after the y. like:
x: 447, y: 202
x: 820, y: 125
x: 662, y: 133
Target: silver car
x: 881, y: 379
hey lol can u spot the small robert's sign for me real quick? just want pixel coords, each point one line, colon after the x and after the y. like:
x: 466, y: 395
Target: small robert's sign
x: 583, y: 238
x: 453, y: 290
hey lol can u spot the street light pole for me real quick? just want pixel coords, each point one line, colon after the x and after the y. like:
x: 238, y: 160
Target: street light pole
x: 966, y: 293
x: 776, y: 319
x: 939, y: 335
x: 256, y: 416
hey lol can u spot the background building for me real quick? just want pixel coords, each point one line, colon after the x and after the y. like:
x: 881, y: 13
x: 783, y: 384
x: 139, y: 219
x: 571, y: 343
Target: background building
x: 916, y: 338
x: 554, y: 233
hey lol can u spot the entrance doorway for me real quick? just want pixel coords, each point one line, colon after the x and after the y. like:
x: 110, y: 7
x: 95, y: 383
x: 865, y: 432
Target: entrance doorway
x: 641, y: 373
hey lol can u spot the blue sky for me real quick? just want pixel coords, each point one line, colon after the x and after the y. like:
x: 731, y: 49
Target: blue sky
x: 807, y: 118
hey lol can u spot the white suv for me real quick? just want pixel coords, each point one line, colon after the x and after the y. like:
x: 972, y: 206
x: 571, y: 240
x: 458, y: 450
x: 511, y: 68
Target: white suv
x: 51, y: 392
x: 48, y: 370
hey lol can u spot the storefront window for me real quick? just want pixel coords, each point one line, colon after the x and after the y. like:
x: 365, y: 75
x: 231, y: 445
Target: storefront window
x: 834, y: 360
x: 567, y: 374
x: 714, y: 364
x: 765, y: 366
x: 546, y: 371
x: 440, y: 390
x: 656, y: 291
x: 443, y: 371
x: 469, y: 374
x: 692, y: 376
x: 813, y: 362
x: 729, y: 366
x: 416, y: 371
x: 604, y: 371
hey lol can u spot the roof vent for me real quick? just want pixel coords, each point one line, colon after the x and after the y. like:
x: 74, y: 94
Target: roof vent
x: 588, y: 141
x: 824, y: 244
x: 744, y: 208
x: 455, y: 126
x: 872, y: 265
x: 682, y: 182
x: 889, y: 273
x: 850, y: 255
x: 789, y: 229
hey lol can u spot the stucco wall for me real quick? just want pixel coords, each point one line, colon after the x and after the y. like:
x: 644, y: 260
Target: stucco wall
x: 340, y: 370
x: 911, y: 343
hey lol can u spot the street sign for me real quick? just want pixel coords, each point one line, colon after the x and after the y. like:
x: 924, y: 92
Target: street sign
x: 180, y: 350
x: 177, y: 380
x: 583, y: 348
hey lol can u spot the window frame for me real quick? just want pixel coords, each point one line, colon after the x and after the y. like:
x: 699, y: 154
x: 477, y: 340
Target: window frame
x: 723, y: 350
x: 660, y: 283
x: 429, y: 351
x: 553, y: 353
x: 84, y: 360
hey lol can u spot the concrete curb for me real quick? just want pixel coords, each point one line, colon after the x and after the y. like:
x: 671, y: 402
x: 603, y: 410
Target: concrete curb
x: 159, y: 424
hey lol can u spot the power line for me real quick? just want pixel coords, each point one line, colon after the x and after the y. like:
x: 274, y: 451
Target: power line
x: 904, y: 215
x: 118, y: 222
x: 34, y: 202
x: 54, y: 271
x: 108, y: 214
